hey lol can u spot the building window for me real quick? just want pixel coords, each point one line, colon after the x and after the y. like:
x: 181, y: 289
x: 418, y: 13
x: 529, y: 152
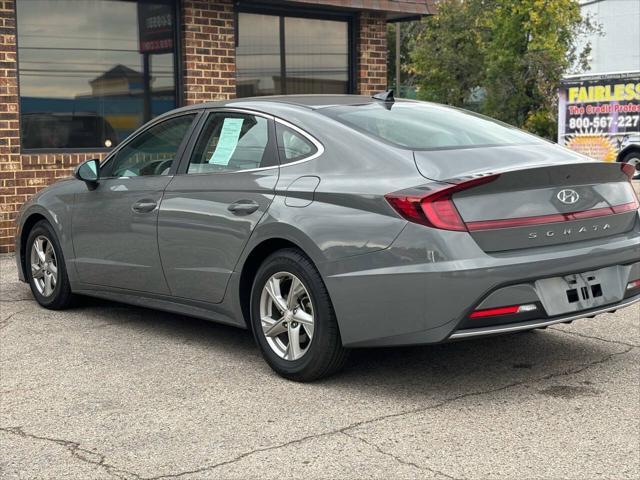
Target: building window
x: 91, y: 72
x: 291, y: 55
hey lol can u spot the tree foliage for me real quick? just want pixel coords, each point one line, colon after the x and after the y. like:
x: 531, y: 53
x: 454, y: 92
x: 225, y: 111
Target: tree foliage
x: 437, y: 59
x: 410, y: 32
x: 503, y: 57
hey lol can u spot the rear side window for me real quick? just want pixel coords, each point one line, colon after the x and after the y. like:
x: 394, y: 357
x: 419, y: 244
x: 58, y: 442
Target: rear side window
x: 424, y: 126
x: 232, y: 142
x: 292, y: 145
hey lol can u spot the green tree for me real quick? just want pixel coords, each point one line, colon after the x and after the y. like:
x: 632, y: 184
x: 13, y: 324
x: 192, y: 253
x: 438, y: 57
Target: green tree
x: 513, y: 52
x: 447, y: 58
x: 410, y: 31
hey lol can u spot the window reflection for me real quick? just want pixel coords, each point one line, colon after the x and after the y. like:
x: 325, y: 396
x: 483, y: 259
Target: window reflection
x: 153, y: 151
x: 316, y: 56
x: 92, y: 71
x: 258, y: 55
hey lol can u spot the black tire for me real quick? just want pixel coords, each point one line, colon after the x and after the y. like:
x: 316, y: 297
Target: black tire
x: 632, y: 157
x: 325, y: 354
x: 61, y: 297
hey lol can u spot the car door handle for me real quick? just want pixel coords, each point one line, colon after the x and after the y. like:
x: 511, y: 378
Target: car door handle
x: 144, y: 206
x: 243, y: 207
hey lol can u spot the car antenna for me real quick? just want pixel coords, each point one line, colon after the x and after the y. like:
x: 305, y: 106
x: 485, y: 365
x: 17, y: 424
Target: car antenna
x: 386, y: 96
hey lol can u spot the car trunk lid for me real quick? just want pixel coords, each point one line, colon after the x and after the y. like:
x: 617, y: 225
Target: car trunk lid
x: 450, y: 163
x: 533, y: 203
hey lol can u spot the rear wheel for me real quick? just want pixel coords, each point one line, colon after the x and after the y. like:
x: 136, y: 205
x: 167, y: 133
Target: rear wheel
x: 293, y: 320
x: 633, y: 158
x: 45, y: 268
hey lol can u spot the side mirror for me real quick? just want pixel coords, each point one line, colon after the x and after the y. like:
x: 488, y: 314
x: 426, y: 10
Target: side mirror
x: 88, y: 172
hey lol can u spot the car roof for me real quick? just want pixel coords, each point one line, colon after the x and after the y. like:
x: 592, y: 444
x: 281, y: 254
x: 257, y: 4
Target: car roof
x: 306, y: 102
x: 312, y: 101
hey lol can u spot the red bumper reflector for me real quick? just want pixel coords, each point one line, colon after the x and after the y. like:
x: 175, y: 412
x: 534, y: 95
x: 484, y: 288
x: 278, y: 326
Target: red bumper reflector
x: 510, y: 310
x: 634, y: 284
x: 553, y: 218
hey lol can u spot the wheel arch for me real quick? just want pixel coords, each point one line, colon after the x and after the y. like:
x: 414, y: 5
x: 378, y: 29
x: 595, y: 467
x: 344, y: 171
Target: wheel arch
x: 27, y: 226
x: 250, y: 266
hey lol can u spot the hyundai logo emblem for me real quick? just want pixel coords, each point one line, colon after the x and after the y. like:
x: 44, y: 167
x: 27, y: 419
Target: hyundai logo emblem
x: 568, y: 196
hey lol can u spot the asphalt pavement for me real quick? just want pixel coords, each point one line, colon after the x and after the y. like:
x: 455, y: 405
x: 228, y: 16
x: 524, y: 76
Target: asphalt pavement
x: 106, y: 391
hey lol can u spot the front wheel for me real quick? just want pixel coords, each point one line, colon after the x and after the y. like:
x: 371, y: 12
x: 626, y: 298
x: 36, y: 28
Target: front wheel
x: 45, y: 268
x: 293, y: 320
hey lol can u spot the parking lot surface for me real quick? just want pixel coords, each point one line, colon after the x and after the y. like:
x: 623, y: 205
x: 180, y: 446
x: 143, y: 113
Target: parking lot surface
x: 106, y: 390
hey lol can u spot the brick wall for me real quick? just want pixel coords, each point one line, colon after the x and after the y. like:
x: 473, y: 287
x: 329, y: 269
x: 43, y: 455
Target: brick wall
x: 209, y: 69
x: 209, y: 59
x: 208, y: 74
x: 20, y: 175
x: 371, y: 53
x: 9, y: 160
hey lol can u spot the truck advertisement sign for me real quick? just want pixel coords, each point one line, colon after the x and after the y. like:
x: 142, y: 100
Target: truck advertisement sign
x: 599, y: 115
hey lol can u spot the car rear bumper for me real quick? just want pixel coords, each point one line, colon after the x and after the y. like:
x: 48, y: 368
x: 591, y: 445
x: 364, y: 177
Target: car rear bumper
x: 423, y: 288
x: 540, y: 323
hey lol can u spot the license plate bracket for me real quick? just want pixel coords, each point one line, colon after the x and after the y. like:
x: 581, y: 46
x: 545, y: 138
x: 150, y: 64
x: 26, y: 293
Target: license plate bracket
x: 588, y: 290
x: 582, y: 291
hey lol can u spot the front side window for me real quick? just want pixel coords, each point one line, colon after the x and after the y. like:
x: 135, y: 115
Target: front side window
x: 423, y: 126
x: 231, y: 142
x: 291, y: 55
x: 293, y: 146
x: 92, y: 71
x: 153, y: 151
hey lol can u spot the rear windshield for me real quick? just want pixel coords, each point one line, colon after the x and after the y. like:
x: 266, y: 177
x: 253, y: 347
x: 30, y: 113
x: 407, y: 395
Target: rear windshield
x: 425, y: 126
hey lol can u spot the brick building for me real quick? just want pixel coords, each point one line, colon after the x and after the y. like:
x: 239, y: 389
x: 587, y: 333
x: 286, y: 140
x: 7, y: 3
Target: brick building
x: 77, y: 77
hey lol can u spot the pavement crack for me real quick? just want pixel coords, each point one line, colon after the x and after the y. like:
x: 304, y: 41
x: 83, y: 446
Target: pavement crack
x: 379, y: 449
x: 476, y: 393
x: 78, y: 452
x: 593, y: 337
x: 244, y: 455
x: 354, y: 425
x: 7, y: 320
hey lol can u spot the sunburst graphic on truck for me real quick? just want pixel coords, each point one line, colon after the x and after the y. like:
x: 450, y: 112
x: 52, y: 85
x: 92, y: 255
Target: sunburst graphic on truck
x: 592, y: 144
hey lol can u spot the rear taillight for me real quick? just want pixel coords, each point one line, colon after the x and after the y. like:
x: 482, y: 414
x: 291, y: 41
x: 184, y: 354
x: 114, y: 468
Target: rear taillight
x: 629, y: 170
x: 435, y: 208
x: 510, y: 310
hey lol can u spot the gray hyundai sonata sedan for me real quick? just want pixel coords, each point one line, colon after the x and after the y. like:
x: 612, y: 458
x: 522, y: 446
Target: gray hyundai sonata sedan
x: 323, y: 223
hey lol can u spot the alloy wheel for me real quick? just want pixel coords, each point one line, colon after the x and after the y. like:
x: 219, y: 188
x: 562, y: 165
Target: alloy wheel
x: 44, y: 266
x: 286, y: 315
